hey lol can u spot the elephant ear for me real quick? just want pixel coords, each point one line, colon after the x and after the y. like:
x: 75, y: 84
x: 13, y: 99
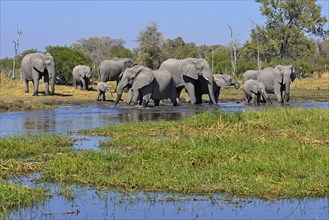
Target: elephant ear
x: 189, y: 70
x: 88, y: 72
x: 278, y: 75
x: 220, y: 81
x: 144, y: 78
x: 38, y: 63
x: 293, y: 73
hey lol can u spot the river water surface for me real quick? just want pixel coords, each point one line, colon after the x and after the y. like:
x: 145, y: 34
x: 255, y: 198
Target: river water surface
x: 89, y: 204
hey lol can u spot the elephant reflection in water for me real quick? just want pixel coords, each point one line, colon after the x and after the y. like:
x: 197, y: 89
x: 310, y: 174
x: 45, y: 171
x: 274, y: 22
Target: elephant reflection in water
x: 136, y: 115
x: 36, y: 124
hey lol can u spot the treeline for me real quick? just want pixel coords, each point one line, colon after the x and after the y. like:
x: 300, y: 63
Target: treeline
x: 285, y: 38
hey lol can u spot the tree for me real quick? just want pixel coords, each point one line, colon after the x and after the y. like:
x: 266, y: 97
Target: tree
x: 65, y: 60
x: 16, y: 46
x: 235, y: 50
x: 287, y: 22
x: 103, y: 48
x: 151, y: 44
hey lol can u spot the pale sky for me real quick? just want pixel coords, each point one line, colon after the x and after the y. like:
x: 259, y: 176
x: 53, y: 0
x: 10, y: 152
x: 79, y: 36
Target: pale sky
x: 60, y: 23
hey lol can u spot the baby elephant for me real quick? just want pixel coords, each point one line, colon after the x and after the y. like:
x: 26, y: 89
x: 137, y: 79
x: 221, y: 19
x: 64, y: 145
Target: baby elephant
x: 253, y: 91
x: 102, y: 87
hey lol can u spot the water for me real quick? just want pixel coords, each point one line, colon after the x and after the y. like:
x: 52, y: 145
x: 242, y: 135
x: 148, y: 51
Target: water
x: 89, y: 204
x: 68, y: 119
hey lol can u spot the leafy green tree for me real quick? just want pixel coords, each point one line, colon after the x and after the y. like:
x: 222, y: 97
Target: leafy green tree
x: 287, y: 22
x: 65, y: 60
x: 178, y: 49
x: 103, y: 48
x: 151, y: 51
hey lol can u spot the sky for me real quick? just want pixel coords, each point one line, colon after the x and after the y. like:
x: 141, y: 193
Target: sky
x: 62, y: 23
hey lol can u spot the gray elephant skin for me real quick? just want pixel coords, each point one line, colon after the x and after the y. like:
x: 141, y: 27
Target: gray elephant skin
x: 35, y: 66
x: 250, y: 74
x: 81, y: 75
x: 110, y: 70
x: 253, y: 91
x: 222, y: 81
x: 144, y: 84
x: 186, y: 74
x: 102, y: 87
x: 277, y: 80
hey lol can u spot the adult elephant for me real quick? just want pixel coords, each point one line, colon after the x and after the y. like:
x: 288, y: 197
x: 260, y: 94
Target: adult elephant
x: 250, y: 74
x: 253, y: 91
x: 35, y: 66
x: 110, y: 70
x: 222, y: 81
x: 277, y: 80
x: 186, y: 74
x: 82, y: 74
x: 144, y: 84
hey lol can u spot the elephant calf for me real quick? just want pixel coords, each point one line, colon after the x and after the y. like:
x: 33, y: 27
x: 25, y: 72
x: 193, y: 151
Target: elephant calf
x: 253, y: 90
x: 102, y: 87
x: 82, y: 74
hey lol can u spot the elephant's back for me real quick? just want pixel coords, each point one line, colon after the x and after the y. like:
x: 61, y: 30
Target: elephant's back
x: 250, y: 74
x: 26, y: 66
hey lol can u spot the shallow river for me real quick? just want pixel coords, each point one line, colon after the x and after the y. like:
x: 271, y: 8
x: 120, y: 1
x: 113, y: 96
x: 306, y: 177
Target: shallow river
x: 88, y: 204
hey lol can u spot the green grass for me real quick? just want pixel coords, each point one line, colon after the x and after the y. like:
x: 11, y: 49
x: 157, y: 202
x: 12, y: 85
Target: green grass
x: 22, y: 156
x: 269, y: 154
x: 18, y: 196
x: 277, y: 153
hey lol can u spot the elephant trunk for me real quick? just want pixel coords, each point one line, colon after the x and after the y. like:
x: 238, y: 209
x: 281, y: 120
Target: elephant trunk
x: 118, y: 99
x: 211, y: 90
x: 119, y: 91
x: 52, y: 82
x: 237, y: 85
x: 287, y: 92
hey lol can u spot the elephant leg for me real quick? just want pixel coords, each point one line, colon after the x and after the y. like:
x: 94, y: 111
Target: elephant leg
x: 36, y: 86
x: 189, y: 85
x: 146, y: 99
x: 99, y: 96
x: 27, y: 86
x: 245, y: 97
x: 156, y: 102
x: 253, y: 98
x: 46, y: 82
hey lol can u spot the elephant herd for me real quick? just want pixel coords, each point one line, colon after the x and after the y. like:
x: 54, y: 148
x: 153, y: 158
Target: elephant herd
x: 143, y: 84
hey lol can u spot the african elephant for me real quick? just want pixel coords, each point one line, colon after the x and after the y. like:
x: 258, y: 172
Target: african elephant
x: 144, y: 84
x: 277, y: 80
x: 250, y: 74
x: 82, y: 74
x: 222, y: 81
x: 186, y: 74
x: 35, y: 66
x: 102, y: 87
x: 253, y: 91
x: 110, y: 70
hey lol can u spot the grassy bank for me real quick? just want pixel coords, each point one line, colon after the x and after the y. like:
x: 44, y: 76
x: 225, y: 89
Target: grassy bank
x: 269, y: 154
x: 13, y: 97
x: 22, y: 156
x: 279, y: 153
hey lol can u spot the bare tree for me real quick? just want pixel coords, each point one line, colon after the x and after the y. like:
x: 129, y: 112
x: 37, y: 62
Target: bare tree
x: 234, y: 47
x: 16, y: 46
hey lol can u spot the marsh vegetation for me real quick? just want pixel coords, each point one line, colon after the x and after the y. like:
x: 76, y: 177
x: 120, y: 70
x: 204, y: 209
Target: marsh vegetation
x: 278, y: 153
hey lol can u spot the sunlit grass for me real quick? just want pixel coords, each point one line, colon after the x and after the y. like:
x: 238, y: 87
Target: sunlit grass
x: 18, y: 196
x: 13, y: 97
x: 23, y: 156
x: 277, y: 153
